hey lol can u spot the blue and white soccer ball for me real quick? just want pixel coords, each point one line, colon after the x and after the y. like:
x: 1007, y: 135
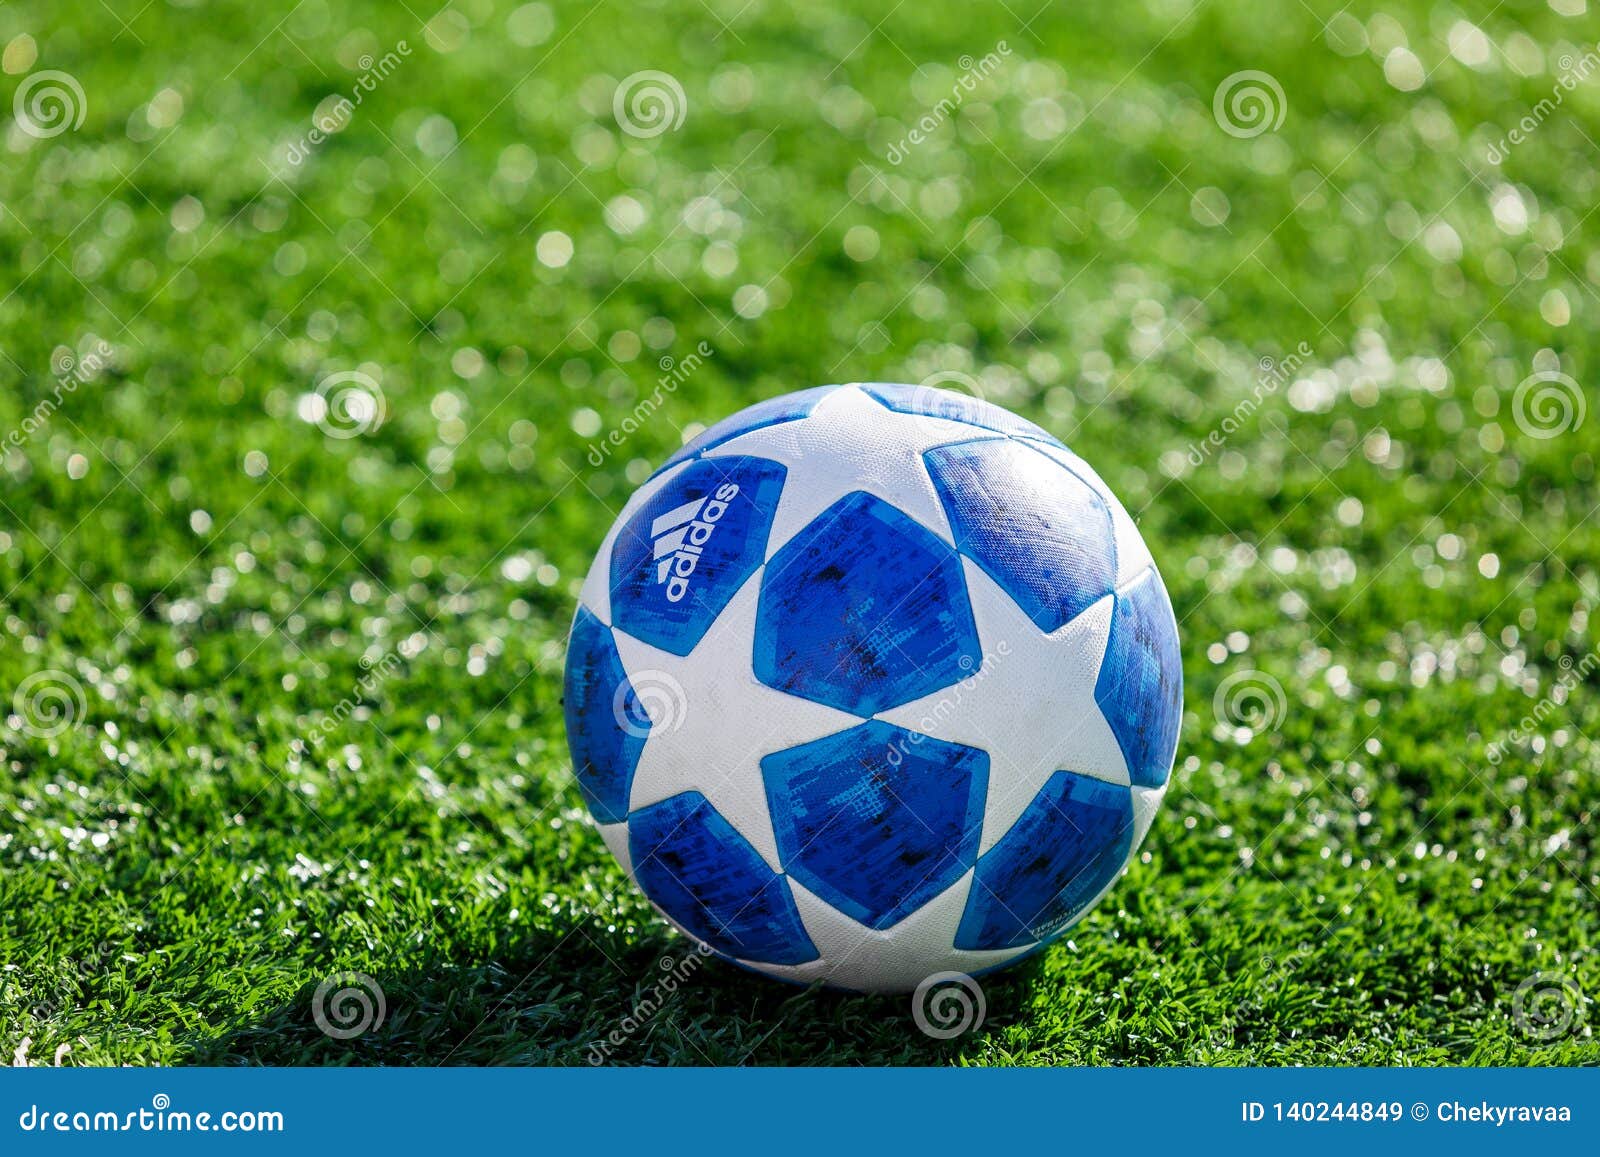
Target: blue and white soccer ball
x: 873, y: 682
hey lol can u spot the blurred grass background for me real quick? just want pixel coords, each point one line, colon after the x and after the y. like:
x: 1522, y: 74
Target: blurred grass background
x: 280, y: 703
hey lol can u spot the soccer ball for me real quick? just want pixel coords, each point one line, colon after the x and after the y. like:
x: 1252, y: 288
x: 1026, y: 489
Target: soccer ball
x: 873, y: 682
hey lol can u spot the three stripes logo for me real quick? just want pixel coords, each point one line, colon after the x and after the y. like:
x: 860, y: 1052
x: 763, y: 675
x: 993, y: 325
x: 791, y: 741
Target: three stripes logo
x: 680, y: 536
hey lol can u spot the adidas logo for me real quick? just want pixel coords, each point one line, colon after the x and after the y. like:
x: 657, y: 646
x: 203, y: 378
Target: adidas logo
x: 682, y: 533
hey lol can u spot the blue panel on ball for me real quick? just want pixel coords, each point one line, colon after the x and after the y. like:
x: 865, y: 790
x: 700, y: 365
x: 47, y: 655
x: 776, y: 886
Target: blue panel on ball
x: 932, y: 402
x: 877, y: 820
x: 706, y: 876
x: 1140, y: 689
x: 783, y: 408
x: 688, y: 550
x: 1067, y: 846
x: 1035, y: 527
x: 606, y: 724
x: 864, y: 609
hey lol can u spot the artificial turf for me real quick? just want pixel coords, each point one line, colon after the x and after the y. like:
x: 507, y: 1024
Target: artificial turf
x: 311, y: 720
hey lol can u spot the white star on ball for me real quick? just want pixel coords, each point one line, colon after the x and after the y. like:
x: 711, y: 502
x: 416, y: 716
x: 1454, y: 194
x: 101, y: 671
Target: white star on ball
x: 712, y: 721
x: 1050, y: 727
x: 893, y: 960
x: 850, y: 441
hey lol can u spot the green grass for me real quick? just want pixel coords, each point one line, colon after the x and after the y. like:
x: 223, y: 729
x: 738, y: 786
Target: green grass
x: 257, y: 794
